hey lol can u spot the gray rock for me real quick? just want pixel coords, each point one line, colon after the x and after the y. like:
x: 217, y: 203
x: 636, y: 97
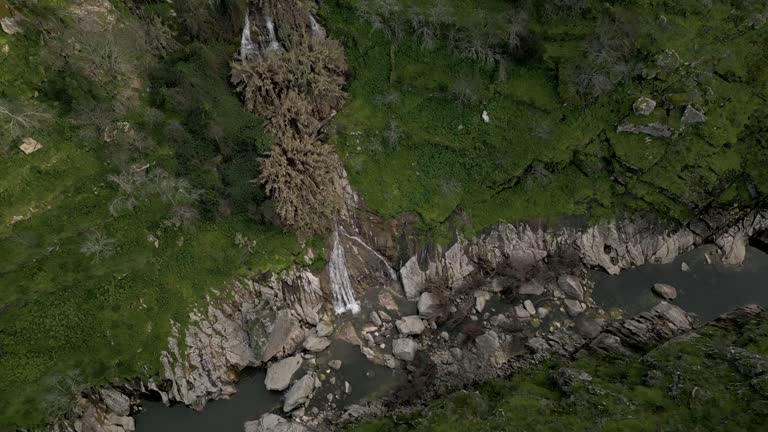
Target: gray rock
x: 314, y: 343
x: 644, y: 106
x: 427, y: 305
x: 266, y: 423
x: 335, y: 364
x: 684, y: 267
x: 324, y: 328
x: 287, y: 336
x: 692, y: 116
x: 300, y: 392
x: 385, y: 316
x: 413, y: 279
x: 529, y: 307
x: 375, y: 319
x: 588, y: 328
x: 280, y: 374
x: 533, y: 287
x: 654, y: 129
x: 521, y: 312
x: 571, y: 286
x: 573, y: 307
x: 489, y: 347
x: 410, y: 325
x: 116, y: 401
x: 667, y: 292
x: 404, y: 349
x: 481, y: 299
x: 543, y: 312
x: 9, y: 25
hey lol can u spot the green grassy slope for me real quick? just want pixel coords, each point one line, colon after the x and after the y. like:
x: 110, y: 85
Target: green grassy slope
x: 413, y: 138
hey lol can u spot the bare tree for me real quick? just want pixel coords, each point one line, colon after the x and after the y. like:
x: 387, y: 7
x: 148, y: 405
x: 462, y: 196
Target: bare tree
x: 98, y: 245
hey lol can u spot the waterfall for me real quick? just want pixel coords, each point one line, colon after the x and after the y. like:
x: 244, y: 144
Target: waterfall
x: 392, y: 272
x: 317, y: 31
x: 273, y: 44
x: 247, y: 48
x: 341, y: 285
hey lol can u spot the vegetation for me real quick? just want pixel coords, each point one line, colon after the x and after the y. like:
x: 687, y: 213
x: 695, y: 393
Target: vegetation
x: 556, y: 79
x: 711, y: 381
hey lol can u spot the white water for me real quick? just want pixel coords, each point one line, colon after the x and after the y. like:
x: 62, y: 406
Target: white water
x: 316, y: 29
x: 392, y: 272
x: 273, y: 44
x: 247, y: 48
x: 341, y: 285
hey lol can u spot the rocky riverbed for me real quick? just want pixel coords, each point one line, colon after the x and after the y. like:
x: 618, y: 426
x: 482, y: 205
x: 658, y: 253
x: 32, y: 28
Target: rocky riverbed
x: 450, y: 317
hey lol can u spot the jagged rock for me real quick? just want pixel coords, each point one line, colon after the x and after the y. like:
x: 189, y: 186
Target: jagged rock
x: 29, y: 145
x: 481, y: 299
x: 9, y: 25
x: 427, y: 305
x: 644, y: 106
x: 571, y: 286
x: 413, y: 279
x: 385, y: 316
x: 521, y: 312
x: 375, y: 319
x: 280, y: 374
x: 404, y: 349
x: 335, y: 364
x: 667, y: 292
x: 748, y: 363
x: 287, y: 336
x: 693, y: 116
x: 609, y: 344
x: 573, y: 307
x: 324, y: 328
x: 314, y: 343
x: 410, y: 325
x: 348, y: 334
x: 300, y: 392
x: 588, y: 328
x: 684, y: 267
x: 533, y: 287
x: 116, y: 402
x: 651, y: 328
x: 733, y: 243
x: 654, y: 129
x: 91, y: 416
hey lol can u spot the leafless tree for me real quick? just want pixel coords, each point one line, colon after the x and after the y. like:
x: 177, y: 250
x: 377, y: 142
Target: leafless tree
x: 98, y: 245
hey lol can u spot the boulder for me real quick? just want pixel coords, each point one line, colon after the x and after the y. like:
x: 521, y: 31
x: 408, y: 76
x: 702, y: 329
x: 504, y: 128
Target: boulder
x: 29, y: 145
x: 375, y: 319
x: 335, y: 364
x: 404, y: 349
x: 324, y: 328
x: 116, y: 402
x: 280, y: 374
x: 521, y: 312
x: 684, y: 267
x: 692, y: 116
x: 300, y: 392
x: 427, y: 305
x: 533, y: 287
x: 413, y: 279
x: 410, y: 325
x: 570, y: 285
x: 528, y: 305
x: 266, y: 423
x: 489, y: 347
x: 315, y: 343
x: 667, y: 292
x: 9, y: 25
x: 573, y: 307
x: 588, y: 328
x: 644, y: 106
x: 481, y: 299
x: 654, y: 129
x: 286, y: 337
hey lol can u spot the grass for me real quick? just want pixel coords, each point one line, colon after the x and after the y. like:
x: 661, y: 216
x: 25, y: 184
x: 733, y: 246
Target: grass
x: 443, y: 157
x: 687, y: 384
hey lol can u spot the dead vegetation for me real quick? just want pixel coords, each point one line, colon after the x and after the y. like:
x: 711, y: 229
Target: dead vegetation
x: 296, y: 89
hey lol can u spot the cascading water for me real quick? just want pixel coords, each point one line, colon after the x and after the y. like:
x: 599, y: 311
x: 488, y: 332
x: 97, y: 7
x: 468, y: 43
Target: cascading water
x: 273, y: 44
x: 392, y: 272
x: 247, y: 48
x: 316, y: 29
x: 341, y: 285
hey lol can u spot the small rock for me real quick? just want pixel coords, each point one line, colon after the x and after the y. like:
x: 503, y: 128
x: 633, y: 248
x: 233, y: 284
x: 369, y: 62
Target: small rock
x: 427, y: 305
x: 521, y: 312
x: 410, y: 325
x: 486, y: 117
x: 9, y: 25
x: 445, y: 336
x: 300, y: 393
x: 693, y: 116
x: 543, y: 312
x: 375, y: 319
x: 533, y: 287
x: 390, y: 361
x: 267, y: 423
x: 404, y: 349
x: 684, y: 267
x: 347, y: 387
x: 588, y: 328
x: 571, y: 286
x: 529, y: 307
x: 316, y: 343
x: 280, y: 374
x: 324, y: 328
x: 29, y: 145
x: 481, y: 299
x: 385, y: 316
x: 644, y: 106
x: 574, y: 307
x: 335, y: 364
x: 667, y: 292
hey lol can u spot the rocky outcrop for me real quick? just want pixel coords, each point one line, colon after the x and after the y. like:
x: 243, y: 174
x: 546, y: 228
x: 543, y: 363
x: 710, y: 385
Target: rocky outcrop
x: 644, y: 331
x: 107, y: 410
x: 300, y: 393
x: 280, y: 374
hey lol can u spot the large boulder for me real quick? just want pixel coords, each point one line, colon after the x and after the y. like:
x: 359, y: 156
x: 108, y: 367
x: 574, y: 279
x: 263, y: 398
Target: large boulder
x: 570, y: 285
x: 667, y: 292
x: 410, y: 325
x: 300, y: 393
x: 287, y: 336
x: 644, y: 106
x: 427, y: 305
x: 280, y: 374
x: 315, y: 343
x: 533, y: 287
x: 273, y: 423
x: 692, y: 116
x: 116, y: 401
x: 404, y: 349
x: 573, y: 307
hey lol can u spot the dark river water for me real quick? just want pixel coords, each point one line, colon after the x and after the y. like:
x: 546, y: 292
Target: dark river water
x: 706, y: 290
